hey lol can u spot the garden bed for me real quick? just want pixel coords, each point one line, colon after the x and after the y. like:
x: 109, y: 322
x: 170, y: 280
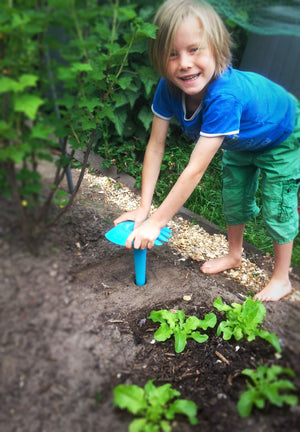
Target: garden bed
x: 74, y: 325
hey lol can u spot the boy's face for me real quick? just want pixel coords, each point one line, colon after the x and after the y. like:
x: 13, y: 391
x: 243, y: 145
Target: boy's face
x: 191, y: 65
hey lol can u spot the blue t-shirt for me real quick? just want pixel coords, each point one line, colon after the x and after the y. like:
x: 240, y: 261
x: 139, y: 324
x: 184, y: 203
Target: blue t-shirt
x: 252, y: 112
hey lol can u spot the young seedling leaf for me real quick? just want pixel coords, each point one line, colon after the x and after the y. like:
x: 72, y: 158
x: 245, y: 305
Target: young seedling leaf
x: 242, y: 321
x: 163, y: 333
x: 181, y: 406
x: 198, y: 337
x: 175, y: 324
x: 180, y: 341
x: 159, y: 395
x: 154, y: 406
x: 266, y: 387
x: 271, y: 338
x: 130, y: 397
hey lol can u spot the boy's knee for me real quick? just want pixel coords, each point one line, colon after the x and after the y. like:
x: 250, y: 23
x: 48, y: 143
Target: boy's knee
x: 280, y: 210
x: 238, y: 207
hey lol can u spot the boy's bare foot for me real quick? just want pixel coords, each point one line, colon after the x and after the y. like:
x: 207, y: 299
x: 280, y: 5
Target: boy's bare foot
x: 274, y: 291
x: 220, y: 264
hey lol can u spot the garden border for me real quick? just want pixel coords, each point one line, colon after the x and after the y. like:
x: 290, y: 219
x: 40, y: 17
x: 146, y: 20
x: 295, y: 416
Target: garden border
x: 95, y: 162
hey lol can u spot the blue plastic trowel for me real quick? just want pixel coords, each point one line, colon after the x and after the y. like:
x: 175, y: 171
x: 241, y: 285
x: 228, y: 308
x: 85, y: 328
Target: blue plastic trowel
x: 119, y: 235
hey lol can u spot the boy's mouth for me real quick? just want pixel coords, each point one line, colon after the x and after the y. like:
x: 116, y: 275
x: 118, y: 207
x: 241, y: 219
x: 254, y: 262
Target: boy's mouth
x: 190, y: 77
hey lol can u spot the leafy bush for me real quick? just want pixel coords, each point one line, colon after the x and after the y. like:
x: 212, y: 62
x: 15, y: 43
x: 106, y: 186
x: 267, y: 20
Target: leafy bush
x: 63, y: 63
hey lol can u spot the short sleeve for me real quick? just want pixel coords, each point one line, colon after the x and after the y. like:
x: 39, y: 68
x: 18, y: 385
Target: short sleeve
x: 162, y: 104
x: 221, y: 116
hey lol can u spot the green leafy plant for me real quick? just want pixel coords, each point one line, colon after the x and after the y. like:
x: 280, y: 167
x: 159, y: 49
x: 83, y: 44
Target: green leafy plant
x: 153, y: 406
x: 174, y: 323
x: 266, y: 386
x: 243, y: 321
x: 67, y: 80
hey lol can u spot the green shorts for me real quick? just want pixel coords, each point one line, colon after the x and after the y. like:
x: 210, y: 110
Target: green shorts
x: 280, y: 177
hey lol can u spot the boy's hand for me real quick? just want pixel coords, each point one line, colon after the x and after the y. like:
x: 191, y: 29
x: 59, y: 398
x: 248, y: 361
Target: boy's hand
x: 138, y: 216
x: 144, y: 236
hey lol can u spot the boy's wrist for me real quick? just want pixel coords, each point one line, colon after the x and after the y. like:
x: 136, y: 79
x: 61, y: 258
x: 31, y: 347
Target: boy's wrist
x: 158, y: 221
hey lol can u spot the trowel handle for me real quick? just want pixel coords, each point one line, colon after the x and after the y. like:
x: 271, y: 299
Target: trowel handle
x: 140, y: 257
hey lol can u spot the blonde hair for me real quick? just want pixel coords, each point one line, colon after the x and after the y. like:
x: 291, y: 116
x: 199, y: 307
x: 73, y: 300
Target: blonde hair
x: 168, y: 18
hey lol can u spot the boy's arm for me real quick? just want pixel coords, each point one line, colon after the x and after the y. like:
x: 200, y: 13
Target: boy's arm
x: 152, y: 161
x: 146, y: 234
x: 151, y: 168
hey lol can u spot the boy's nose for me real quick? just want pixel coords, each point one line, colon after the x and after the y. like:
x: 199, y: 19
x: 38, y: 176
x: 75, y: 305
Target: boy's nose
x: 185, y: 61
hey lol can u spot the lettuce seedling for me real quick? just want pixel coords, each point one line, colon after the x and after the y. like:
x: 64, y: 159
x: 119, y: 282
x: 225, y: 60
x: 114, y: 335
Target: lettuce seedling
x: 243, y: 321
x: 153, y: 406
x: 266, y: 387
x: 174, y: 323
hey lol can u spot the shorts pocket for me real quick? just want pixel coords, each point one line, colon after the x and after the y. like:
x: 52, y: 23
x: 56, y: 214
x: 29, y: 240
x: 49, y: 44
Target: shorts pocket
x: 289, y: 199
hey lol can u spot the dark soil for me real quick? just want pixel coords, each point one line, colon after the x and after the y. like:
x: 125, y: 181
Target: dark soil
x: 74, y: 325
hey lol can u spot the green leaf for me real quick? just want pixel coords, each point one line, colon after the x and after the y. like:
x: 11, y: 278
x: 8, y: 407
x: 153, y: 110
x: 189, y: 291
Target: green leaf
x: 224, y: 328
x: 29, y: 104
x: 130, y: 397
x: 238, y: 333
x: 14, y: 153
x: 271, y: 338
x: 180, y: 341
x: 192, y: 323
x: 61, y: 193
x: 184, y: 407
x: 120, y: 120
x: 146, y: 117
x: 290, y: 399
x: 198, y: 337
x: 266, y: 387
x: 90, y: 103
x: 163, y: 333
x: 40, y: 131
x: 149, y: 78
x: 137, y: 425
x: 218, y: 304
x: 7, y: 131
x: 127, y: 12
x: 227, y: 333
x: 165, y: 426
x: 81, y: 67
x: 8, y: 84
x: 180, y: 315
x: 159, y: 395
x: 27, y: 81
x: 148, y: 30
x: 210, y: 320
x: 253, y: 311
x: 245, y: 403
x: 124, y: 82
x: 259, y: 402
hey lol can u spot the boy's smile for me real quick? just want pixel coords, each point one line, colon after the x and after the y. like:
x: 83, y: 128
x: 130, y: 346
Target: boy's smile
x: 191, y: 65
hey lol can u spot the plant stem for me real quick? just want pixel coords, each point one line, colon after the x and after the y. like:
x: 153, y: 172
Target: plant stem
x: 109, y: 91
x: 78, y: 29
x: 80, y: 178
x: 114, y: 26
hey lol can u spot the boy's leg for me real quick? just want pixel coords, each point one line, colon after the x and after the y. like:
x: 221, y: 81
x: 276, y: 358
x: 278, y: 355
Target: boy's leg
x: 280, y: 182
x: 279, y: 285
x: 233, y: 258
x: 240, y: 181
